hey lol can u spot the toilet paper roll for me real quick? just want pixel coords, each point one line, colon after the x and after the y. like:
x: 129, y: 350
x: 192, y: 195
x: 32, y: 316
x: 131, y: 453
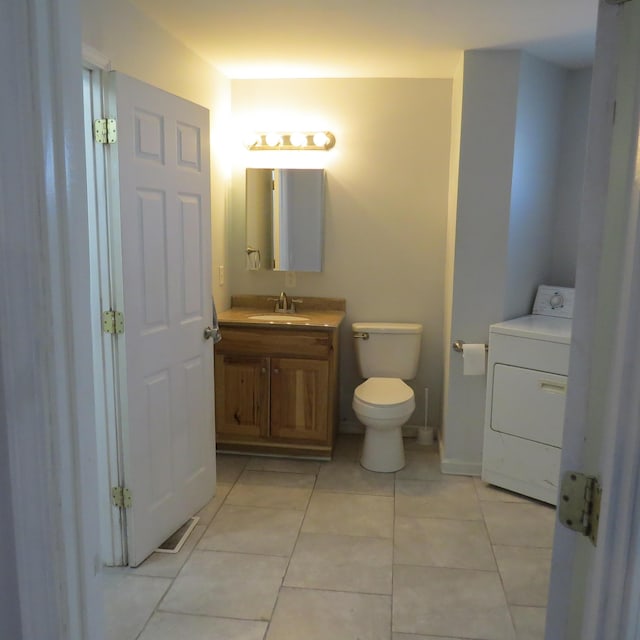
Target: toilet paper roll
x: 475, y: 359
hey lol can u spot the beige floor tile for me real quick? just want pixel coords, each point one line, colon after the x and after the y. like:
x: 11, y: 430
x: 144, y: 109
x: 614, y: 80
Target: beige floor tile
x: 277, y: 479
x: 229, y: 467
x: 253, y: 530
x: 450, y: 603
x: 413, y: 636
x: 462, y: 544
x: 270, y: 495
x: 489, y: 493
x: 176, y: 626
x: 412, y: 444
x: 347, y: 476
x: 341, y: 563
x: 348, y: 446
x: 525, y: 574
x: 230, y: 585
x: 167, y: 565
x: 330, y: 615
x: 129, y: 601
x: 422, y: 499
x: 285, y: 465
x: 349, y: 514
x: 207, y: 512
x: 529, y: 622
x: 525, y: 525
x: 424, y: 464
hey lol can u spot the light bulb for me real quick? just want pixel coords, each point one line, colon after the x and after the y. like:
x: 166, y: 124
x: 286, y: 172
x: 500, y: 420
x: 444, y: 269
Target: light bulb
x: 251, y: 140
x: 320, y: 139
x: 273, y: 139
x: 298, y: 139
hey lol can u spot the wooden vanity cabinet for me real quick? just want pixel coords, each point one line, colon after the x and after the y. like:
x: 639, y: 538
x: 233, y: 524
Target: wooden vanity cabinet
x: 276, y: 390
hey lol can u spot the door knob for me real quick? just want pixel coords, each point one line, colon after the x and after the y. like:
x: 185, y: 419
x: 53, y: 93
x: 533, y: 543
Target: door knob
x: 208, y: 333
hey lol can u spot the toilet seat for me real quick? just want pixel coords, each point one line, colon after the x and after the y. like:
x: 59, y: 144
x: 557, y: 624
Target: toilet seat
x: 390, y: 397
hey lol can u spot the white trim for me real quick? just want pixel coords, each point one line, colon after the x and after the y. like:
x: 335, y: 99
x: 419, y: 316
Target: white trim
x: 112, y: 534
x: 454, y: 467
x: 94, y: 59
x: 587, y: 584
x: 45, y: 350
x: 408, y: 430
x: 610, y: 609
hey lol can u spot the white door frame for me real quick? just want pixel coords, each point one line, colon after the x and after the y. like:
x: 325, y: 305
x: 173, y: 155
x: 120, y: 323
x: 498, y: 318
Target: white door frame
x: 104, y: 286
x: 46, y: 337
x: 590, y: 588
x: 45, y: 343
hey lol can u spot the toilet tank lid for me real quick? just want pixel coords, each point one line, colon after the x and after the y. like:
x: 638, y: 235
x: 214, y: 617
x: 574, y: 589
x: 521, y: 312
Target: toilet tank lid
x: 387, y: 327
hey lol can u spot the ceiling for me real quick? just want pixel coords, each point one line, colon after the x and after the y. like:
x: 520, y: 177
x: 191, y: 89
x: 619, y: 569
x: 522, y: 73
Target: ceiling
x: 372, y: 38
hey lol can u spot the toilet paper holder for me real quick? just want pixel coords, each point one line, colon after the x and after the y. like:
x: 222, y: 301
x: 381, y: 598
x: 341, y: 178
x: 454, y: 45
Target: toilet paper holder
x: 458, y: 344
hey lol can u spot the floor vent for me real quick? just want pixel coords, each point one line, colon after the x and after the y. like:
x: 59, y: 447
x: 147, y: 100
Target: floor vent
x: 176, y: 540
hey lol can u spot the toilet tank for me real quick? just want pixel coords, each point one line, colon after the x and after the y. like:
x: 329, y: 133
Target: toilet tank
x: 391, y: 350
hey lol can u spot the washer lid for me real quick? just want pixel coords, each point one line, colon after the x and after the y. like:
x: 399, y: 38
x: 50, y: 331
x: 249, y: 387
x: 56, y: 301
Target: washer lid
x: 386, y: 391
x: 536, y: 328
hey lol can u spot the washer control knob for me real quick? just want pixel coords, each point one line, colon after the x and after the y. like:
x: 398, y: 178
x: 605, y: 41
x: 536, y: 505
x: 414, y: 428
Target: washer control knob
x: 556, y: 300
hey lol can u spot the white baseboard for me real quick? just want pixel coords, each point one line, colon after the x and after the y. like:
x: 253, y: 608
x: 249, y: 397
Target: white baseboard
x: 455, y: 467
x: 408, y: 430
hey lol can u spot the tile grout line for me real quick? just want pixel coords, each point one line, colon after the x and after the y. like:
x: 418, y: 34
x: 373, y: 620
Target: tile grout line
x: 293, y: 548
x: 157, y: 608
x: 495, y: 559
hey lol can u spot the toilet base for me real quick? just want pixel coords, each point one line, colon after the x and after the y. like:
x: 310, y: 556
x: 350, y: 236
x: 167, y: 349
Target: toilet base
x: 383, y: 449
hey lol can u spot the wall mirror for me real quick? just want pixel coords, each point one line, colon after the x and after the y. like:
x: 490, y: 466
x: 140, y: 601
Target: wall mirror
x: 285, y: 219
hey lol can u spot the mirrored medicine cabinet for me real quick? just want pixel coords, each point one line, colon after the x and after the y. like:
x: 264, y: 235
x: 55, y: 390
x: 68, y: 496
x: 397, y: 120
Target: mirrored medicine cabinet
x: 285, y: 219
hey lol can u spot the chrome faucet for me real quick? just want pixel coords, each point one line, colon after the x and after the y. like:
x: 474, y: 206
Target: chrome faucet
x: 282, y: 303
x: 285, y: 304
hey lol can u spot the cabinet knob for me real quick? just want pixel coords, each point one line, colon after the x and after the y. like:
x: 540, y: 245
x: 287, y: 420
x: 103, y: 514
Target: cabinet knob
x: 263, y: 370
x: 276, y: 371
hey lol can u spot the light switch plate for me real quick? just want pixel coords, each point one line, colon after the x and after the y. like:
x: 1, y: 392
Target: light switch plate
x: 290, y: 279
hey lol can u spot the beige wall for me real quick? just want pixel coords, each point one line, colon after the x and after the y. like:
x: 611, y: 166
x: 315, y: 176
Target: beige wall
x: 140, y: 48
x: 386, y: 204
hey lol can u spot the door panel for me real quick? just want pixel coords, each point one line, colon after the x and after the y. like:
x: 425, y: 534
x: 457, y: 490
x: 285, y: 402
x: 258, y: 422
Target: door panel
x: 163, y: 166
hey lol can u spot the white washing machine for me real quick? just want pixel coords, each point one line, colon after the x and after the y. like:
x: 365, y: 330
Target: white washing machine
x: 527, y: 371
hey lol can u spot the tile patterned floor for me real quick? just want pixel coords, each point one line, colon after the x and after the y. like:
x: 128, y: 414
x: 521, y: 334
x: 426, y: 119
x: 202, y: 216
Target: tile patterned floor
x: 291, y: 550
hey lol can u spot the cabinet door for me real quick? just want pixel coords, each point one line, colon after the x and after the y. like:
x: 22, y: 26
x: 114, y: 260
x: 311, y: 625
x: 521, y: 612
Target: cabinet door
x: 242, y: 397
x: 299, y: 399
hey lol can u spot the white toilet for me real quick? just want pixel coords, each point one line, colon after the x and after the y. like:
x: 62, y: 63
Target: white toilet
x: 387, y: 353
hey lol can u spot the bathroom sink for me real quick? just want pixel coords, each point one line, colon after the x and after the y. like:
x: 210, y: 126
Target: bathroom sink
x: 282, y: 317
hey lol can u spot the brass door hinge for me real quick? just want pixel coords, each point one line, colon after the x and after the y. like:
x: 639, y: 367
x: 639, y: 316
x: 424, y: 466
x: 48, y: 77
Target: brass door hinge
x: 579, y: 506
x: 105, y: 131
x: 121, y: 497
x: 112, y: 322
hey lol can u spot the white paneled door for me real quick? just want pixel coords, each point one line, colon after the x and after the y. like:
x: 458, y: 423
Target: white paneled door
x: 164, y: 213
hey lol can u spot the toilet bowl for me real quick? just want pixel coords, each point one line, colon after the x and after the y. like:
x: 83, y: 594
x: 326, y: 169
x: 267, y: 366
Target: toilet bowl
x: 387, y: 354
x: 383, y: 405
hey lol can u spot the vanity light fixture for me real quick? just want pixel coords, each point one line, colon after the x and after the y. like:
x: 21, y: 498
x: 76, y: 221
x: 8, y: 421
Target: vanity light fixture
x: 290, y: 141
